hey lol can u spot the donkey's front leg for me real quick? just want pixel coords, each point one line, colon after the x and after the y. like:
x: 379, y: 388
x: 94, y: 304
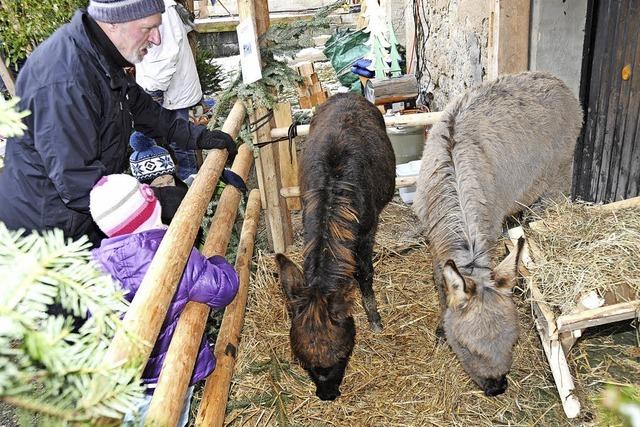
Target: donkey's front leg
x: 364, y: 276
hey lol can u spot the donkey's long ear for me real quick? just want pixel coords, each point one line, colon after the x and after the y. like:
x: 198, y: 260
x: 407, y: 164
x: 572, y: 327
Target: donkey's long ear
x: 458, y: 291
x: 505, y: 273
x: 291, y: 278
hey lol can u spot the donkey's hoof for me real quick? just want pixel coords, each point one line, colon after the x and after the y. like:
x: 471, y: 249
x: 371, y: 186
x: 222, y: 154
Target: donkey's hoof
x: 376, y: 326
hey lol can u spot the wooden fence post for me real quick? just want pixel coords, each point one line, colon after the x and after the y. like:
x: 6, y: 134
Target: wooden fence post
x: 180, y: 359
x: 216, y: 390
x: 267, y: 163
x: 287, y: 154
x: 7, y: 77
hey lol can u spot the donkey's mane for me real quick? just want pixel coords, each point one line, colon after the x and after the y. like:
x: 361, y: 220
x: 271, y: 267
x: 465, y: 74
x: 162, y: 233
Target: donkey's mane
x: 331, y: 222
x: 456, y: 198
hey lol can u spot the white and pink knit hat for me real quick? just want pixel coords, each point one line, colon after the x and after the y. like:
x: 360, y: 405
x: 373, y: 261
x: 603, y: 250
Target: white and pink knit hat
x: 120, y: 205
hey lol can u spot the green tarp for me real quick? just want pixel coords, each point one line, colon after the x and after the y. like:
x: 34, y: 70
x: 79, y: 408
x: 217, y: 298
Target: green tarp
x: 344, y: 48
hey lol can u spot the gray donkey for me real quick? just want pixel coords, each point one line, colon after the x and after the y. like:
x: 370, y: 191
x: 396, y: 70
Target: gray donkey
x: 499, y: 147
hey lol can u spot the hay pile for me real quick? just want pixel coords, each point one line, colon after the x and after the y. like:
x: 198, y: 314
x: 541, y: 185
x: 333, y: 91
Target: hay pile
x: 586, y: 249
x: 400, y: 377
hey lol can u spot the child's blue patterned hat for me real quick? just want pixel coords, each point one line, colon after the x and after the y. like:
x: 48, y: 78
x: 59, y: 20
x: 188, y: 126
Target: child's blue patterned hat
x: 149, y: 160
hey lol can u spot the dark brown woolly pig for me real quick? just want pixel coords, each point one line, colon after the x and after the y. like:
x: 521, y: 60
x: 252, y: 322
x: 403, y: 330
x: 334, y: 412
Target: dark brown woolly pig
x: 498, y: 148
x: 347, y: 176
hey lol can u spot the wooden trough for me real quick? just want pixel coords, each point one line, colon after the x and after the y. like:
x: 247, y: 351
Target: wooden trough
x: 558, y: 333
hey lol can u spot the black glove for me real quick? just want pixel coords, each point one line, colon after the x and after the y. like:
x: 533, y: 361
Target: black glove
x: 170, y: 198
x: 229, y: 177
x: 158, y: 96
x: 210, y: 139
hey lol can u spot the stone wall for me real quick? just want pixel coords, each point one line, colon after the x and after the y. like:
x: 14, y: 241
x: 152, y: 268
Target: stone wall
x: 455, y: 51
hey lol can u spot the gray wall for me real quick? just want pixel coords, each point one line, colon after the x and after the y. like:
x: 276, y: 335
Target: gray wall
x: 557, y: 37
x: 456, y: 47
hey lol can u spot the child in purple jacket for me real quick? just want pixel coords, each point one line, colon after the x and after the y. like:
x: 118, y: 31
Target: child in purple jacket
x: 129, y: 214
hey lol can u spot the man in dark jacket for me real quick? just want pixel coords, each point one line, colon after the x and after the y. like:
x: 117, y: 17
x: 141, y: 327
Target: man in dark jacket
x: 83, y: 109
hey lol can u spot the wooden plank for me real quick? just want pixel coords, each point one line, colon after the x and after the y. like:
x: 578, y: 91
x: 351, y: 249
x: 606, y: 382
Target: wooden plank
x: 629, y: 134
x: 305, y: 68
x: 626, y: 50
x: 509, y: 37
x: 602, y: 102
x: 259, y: 175
x: 582, y: 170
x: 404, y: 120
x: 7, y: 77
x: 179, y: 362
x: 149, y: 307
x: 287, y: 155
x: 545, y: 325
x: 634, y: 202
x: 611, y: 141
x: 561, y: 375
x: 229, y: 24
x: 598, y: 316
x: 203, y: 9
x: 545, y: 318
x: 401, y: 182
x: 216, y: 390
x: 391, y: 90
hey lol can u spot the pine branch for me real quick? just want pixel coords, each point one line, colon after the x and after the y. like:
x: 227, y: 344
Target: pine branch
x: 48, y: 367
x: 279, y: 41
x: 40, y: 408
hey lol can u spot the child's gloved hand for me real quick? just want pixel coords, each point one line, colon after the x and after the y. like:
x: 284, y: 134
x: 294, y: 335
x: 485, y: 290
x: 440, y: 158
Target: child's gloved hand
x: 210, y: 139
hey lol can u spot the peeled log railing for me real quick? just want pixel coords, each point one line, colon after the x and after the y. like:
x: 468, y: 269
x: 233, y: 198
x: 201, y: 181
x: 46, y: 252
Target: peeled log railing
x: 150, y: 304
x: 418, y: 119
x: 216, y: 389
x: 172, y: 384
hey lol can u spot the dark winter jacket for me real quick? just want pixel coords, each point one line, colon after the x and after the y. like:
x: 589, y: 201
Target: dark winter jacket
x: 209, y: 281
x: 83, y: 107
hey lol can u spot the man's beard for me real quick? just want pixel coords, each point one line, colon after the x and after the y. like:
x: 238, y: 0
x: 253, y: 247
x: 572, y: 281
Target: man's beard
x: 137, y: 56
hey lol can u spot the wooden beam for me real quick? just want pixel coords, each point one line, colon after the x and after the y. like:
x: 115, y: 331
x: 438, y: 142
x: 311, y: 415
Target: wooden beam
x: 401, y: 182
x: 216, y: 389
x: 633, y: 202
x: 561, y: 375
x: 229, y: 24
x: 508, y: 45
x: 167, y: 401
x: 543, y: 314
x: 287, y: 154
x: 598, y: 316
x: 203, y: 10
x: 7, y: 77
x: 404, y: 120
x: 267, y: 162
x: 149, y: 307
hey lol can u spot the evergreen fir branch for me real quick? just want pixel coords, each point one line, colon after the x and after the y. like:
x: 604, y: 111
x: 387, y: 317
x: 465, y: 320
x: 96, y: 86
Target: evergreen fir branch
x: 38, y: 407
x: 10, y: 119
x: 279, y: 41
x: 48, y: 367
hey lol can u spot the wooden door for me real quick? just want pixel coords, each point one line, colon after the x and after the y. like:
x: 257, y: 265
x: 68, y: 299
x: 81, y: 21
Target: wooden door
x: 607, y: 161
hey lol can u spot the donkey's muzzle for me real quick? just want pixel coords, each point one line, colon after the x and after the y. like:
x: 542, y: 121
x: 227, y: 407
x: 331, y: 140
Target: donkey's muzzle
x: 495, y: 386
x: 327, y: 393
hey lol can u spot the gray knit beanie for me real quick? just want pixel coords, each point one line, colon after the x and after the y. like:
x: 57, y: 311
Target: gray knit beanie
x: 117, y: 11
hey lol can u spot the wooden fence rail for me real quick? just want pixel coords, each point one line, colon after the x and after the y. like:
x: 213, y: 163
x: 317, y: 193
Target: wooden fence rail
x: 216, y: 390
x: 168, y: 397
x: 403, y: 120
